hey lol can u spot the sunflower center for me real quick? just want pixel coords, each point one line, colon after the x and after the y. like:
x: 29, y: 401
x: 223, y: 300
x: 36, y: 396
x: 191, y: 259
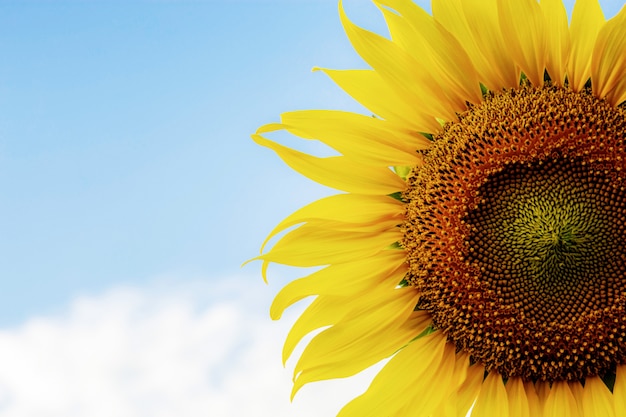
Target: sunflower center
x: 514, y: 233
x: 543, y: 237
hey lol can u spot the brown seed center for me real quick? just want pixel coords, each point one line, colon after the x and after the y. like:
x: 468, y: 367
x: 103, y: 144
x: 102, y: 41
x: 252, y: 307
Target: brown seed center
x: 515, y: 233
x: 547, y: 239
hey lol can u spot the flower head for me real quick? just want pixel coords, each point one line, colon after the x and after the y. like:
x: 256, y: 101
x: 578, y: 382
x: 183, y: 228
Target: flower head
x: 489, y: 262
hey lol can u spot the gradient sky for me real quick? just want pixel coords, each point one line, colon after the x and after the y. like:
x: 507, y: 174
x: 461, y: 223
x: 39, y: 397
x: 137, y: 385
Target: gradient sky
x: 127, y: 171
x: 124, y: 138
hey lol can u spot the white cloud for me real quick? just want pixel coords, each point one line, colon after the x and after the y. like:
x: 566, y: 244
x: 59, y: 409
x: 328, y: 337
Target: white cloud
x: 164, y: 350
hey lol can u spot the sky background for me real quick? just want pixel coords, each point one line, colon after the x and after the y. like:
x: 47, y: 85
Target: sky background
x: 131, y: 193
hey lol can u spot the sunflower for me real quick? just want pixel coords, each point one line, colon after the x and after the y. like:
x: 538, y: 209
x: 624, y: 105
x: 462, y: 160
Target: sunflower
x: 479, y: 239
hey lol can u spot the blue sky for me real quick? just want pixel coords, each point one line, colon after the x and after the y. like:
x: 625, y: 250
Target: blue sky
x: 124, y: 138
x: 131, y: 193
x: 127, y: 171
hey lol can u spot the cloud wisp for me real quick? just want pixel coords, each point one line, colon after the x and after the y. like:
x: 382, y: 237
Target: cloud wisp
x: 168, y: 349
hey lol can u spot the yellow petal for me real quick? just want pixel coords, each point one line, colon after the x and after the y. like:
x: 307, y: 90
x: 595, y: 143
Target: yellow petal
x: 475, y: 24
x: 347, y: 208
x: 518, y: 400
x: 523, y: 30
x: 587, y: 19
x: 561, y: 402
x: 427, y: 41
x: 461, y: 399
x: 348, y: 279
x: 435, y: 388
x: 338, y: 172
x: 374, y: 227
x: 543, y: 390
x: 363, y: 138
x: 492, y: 399
x: 469, y: 389
x: 326, y: 310
x: 597, y: 399
x: 399, y: 69
x: 608, y: 64
x: 577, y: 391
x: 368, y: 88
x: 414, y: 371
x: 366, y: 336
x: 535, y: 406
x: 618, y: 95
x: 312, y: 246
x: 557, y: 39
x: 323, y: 311
x: 619, y: 391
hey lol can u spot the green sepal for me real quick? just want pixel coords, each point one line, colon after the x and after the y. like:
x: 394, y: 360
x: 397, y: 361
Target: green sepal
x: 397, y: 196
x: 546, y: 77
x: 395, y: 245
x: 402, y: 171
x: 429, y: 330
x: 523, y: 79
x: 609, y: 380
x: 484, y: 89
